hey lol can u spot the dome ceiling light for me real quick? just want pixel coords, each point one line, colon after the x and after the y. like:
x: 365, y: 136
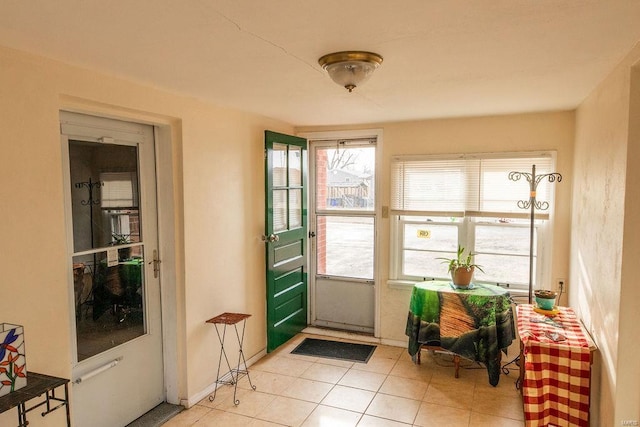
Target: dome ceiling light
x: 350, y: 68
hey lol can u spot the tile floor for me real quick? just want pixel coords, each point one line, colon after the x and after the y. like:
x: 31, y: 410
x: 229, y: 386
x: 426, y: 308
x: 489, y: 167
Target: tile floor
x: 389, y: 390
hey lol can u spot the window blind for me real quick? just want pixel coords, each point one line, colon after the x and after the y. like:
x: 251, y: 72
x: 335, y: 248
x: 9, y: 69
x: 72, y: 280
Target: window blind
x: 119, y: 190
x: 466, y: 185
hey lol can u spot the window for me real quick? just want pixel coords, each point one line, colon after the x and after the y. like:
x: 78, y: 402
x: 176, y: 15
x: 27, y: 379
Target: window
x: 344, y: 180
x: 119, y: 189
x: 440, y: 202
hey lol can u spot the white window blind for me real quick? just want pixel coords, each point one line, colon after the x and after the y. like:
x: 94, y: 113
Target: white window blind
x: 119, y: 190
x: 466, y: 185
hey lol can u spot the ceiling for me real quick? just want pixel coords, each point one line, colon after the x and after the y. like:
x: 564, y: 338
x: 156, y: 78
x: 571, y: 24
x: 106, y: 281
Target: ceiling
x: 442, y: 58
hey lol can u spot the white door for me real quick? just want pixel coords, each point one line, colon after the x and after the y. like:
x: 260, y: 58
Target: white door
x: 342, y: 230
x: 115, y: 288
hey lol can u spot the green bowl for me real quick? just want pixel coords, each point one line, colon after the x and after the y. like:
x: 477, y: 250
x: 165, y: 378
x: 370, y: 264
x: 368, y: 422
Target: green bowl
x: 546, y: 303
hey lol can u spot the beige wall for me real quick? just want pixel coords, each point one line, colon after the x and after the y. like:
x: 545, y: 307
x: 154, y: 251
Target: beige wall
x: 628, y: 396
x: 606, y: 238
x: 218, y: 203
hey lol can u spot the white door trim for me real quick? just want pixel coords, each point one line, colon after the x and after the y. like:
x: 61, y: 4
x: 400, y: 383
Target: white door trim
x: 167, y: 244
x: 167, y: 134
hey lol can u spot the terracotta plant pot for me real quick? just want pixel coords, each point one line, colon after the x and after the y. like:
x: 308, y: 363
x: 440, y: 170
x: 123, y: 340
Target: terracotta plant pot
x: 462, y: 276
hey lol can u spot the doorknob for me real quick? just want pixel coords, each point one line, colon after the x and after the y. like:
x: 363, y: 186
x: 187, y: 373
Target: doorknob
x: 271, y: 238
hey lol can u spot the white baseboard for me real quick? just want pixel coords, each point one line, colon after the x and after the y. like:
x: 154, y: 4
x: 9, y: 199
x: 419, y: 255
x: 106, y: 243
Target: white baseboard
x: 192, y: 400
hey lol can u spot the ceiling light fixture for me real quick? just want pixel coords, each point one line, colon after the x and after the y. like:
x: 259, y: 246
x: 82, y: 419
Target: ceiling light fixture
x: 350, y: 68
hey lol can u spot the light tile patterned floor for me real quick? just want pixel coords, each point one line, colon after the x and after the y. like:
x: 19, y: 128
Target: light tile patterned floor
x: 389, y: 390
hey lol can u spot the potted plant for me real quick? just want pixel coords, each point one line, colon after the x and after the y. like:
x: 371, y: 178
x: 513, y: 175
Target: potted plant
x: 461, y: 268
x: 121, y: 239
x: 546, y: 299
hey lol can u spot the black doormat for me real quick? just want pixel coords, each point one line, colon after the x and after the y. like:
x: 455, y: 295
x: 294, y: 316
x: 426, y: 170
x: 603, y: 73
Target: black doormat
x: 335, y: 350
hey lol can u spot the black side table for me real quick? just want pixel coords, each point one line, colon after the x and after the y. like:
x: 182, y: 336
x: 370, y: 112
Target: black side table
x: 234, y: 374
x: 37, y: 385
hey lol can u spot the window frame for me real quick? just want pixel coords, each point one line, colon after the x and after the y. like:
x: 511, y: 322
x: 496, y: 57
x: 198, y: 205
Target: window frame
x: 467, y: 226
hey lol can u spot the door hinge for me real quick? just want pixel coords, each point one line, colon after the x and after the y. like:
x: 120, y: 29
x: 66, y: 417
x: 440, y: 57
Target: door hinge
x: 312, y: 234
x: 156, y: 264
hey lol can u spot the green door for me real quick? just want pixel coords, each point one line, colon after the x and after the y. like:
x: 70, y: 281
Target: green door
x: 285, y: 236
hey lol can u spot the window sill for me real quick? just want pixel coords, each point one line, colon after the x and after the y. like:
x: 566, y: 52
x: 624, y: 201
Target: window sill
x: 405, y: 285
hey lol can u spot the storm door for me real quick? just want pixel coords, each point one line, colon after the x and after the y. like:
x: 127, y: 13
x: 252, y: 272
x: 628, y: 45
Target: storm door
x: 343, y: 224
x: 113, y: 253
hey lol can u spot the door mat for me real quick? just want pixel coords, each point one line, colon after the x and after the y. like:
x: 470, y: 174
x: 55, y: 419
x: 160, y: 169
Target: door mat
x: 157, y: 416
x: 335, y: 350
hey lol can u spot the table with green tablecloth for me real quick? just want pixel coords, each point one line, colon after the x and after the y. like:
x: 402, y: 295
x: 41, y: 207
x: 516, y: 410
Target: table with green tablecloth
x: 475, y: 323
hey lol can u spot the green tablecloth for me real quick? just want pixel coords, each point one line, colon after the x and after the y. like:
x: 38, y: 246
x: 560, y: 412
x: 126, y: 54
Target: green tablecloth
x: 474, y: 323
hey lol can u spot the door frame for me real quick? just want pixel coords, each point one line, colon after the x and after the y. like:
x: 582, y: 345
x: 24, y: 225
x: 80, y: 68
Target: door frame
x: 167, y: 135
x: 351, y: 134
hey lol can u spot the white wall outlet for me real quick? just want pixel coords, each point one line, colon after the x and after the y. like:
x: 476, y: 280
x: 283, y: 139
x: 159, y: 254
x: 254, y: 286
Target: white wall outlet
x: 561, y: 285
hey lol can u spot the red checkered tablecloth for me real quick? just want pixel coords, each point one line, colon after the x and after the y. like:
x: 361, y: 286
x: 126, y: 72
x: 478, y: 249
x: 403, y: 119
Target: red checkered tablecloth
x: 557, y: 357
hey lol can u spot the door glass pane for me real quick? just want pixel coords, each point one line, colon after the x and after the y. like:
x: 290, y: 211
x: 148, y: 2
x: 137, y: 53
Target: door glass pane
x: 280, y: 210
x: 345, y: 246
x: 104, y: 194
x: 345, y: 178
x: 295, y: 163
x: 295, y: 208
x: 279, y: 165
x: 108, y: 251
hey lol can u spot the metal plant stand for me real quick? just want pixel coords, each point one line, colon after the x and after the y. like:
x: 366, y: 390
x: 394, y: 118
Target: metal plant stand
x: 235, y: 374
x: 532, y: 204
